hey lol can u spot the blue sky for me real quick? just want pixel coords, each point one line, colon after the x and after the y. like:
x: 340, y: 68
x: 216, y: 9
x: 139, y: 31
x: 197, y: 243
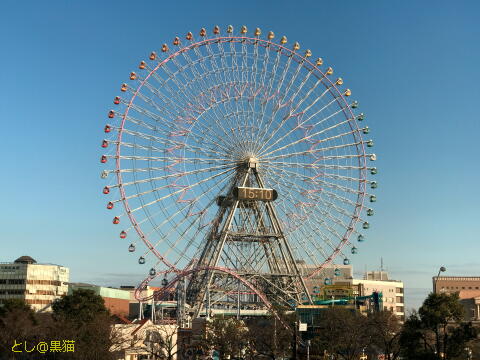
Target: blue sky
x: 412, y: 65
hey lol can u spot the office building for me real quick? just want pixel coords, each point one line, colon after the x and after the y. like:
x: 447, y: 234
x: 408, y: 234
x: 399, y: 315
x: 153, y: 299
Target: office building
x: 468, y: 289
x: 37, y: 284
x: 391, y: 290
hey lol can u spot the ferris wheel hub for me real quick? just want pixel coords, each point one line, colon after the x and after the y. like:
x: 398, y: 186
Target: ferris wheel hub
x: 251, y: 162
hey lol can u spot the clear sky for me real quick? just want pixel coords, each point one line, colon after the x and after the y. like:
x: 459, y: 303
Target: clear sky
x: 414, y: 66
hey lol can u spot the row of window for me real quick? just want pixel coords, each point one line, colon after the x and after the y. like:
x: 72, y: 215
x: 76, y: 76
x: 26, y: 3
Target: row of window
x: 9, y: 267
x: 26, y: 292
x: 12, y: 292
x: 391, y: 308
x: 462, y: 287
x: 38, y: 302
x: 44, y: 282
x: 31, y: 282
x: 12, y: 281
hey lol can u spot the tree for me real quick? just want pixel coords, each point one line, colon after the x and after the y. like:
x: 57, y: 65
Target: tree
x: 342, y: 332
x: 82, y: 306
x: 384, y: 329
x: 228, y: 336
x: 162, y: 342
x: 437, y: 331
x: 18, y: 324
x: 83, y: 317
x: 269, y: 338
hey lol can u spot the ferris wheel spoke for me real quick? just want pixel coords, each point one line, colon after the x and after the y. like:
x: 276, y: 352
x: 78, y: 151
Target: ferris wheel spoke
x: 278, y: 103
x: 294, y: 112
x: 316, y: 165
x: 178, y: 192
x: 205, y: 88
x: 306, y: 128
x: 187, y: 205
x: 319, y: 199
x: 308, y: 139
x: 311, y: 194
x: 316, y: 181
x: 175, y: 144
x: 269, y: 97
x: 287, y: 210
x: 175, y: 175
x: 313, y: 151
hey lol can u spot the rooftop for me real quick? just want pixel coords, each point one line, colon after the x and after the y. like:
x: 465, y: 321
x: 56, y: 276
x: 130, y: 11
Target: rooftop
x: 28, y: 260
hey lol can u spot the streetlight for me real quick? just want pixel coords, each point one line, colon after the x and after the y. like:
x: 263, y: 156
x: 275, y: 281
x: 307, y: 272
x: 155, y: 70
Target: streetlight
x: 442, y: 269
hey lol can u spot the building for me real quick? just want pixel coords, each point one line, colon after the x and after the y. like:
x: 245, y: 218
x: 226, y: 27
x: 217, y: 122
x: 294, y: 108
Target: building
x: 37, y: 284
x: 468, y: 289
x: 391, y: 290
x: 330, y: 274
x: 117, y: 301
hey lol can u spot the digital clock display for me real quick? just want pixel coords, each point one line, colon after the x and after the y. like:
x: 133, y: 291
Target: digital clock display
x: 248, y: 193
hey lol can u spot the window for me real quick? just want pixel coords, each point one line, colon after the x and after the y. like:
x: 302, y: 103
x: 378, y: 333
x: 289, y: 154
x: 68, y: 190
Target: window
x: 16, y: 281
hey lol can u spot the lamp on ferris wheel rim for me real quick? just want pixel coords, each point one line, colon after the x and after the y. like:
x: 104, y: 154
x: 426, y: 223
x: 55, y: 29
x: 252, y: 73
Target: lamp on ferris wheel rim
x: 249, y: 193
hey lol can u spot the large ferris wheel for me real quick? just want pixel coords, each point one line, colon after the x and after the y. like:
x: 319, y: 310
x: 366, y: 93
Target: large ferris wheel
x: 239, y: 165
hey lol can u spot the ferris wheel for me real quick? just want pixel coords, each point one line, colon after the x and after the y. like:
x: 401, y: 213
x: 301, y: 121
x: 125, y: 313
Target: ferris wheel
x: 238, y: 164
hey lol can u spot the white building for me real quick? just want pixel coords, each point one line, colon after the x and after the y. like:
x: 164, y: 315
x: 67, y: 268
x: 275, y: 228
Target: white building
x: 37, y: 284
x: 392, y: 291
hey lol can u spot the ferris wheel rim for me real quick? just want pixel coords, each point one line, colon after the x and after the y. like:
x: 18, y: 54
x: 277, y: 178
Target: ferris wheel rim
x: 339, y: 98
x: 332, y: 89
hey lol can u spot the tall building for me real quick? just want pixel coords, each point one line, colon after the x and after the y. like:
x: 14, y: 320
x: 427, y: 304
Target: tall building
x: 37, y: 284
x: 468, y: 289
x: 392, y: 291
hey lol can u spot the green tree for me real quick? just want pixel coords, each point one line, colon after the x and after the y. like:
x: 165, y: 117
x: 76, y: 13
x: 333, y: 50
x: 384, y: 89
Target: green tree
x: 438, y: 330
x: 82, y: 306
x: 83, y: 317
